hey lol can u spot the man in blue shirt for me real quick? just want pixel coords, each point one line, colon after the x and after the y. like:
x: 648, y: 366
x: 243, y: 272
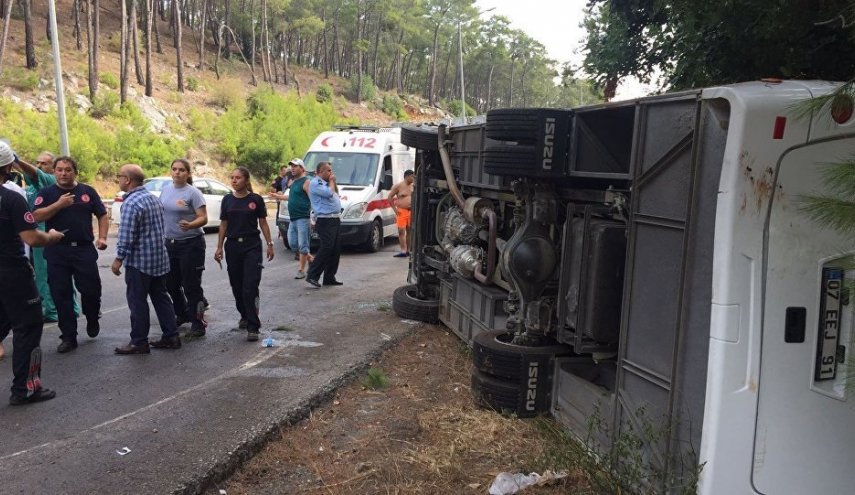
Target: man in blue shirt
x: 323, y: 194
x: 140, y: 248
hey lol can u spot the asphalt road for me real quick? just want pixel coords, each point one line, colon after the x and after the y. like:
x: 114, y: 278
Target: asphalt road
x: 187, y: 416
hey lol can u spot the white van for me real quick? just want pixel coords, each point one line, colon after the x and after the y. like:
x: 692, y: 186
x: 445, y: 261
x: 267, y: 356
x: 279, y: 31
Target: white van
x: 673, y: 304
x: 367, y: 162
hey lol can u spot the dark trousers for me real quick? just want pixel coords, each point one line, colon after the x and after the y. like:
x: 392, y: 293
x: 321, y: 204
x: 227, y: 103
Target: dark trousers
x: 21, y: 313
x: 244, y: 266
x: 184, y: 282
x: 329, y: 252
x: 140, y: 287
x: 69, y: 267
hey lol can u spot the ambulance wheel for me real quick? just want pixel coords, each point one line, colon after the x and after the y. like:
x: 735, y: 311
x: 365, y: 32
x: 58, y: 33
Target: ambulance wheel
x: 374, y: 242
x: 407, y: 304
x: 494, y: 353
x: 423, y: 138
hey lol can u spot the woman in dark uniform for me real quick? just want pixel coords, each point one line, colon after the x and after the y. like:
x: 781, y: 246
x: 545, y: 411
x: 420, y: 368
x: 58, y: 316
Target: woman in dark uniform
x: 20, y: 304
x: 242, y: 214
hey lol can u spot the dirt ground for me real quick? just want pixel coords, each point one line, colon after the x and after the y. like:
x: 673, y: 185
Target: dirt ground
x: 421, y: 433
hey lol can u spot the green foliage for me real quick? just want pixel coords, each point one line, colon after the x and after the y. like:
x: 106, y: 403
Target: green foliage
x: 695, y: 43
x: 392, y: 105
x: 276, y: 128
x: 375, y: 379
x: 836, y: 208
x: 202, y: 124
x: 192, y: 84
x: 368, y: 88
x: 456, y: 107
x: 324, y: 93
x: 99, y: 146
x: 626, y: 466
x: 20, y: 78
x: 105, y: 103
x: 227, y: 93
x: 109, y: 79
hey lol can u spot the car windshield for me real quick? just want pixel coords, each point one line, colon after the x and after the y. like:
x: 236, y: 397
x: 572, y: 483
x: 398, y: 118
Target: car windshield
x: 358, y: 169
x: 156, y: 184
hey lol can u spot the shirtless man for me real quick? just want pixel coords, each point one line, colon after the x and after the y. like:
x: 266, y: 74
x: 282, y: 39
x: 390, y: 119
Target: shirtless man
x: 401, y: 198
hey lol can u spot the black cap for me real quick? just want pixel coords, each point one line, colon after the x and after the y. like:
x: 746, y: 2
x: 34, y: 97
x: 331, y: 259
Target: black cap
x: 408, y: 173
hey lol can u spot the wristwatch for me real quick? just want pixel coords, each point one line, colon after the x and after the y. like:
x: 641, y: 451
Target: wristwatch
x: 269, y: 243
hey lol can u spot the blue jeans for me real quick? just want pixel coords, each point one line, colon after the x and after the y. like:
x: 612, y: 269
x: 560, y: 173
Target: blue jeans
x: 140, y: 287
x: 298, y: 235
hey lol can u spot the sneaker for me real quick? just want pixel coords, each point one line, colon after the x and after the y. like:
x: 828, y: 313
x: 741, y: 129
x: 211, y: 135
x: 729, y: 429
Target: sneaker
x: 39, y: 395
x: 181, y: 320
x: 167, y: 343
x: 252, y: 336
x: 242, y: 325
x: 300, y: 274
x: 93, y: 328
x: 314, y: 282
x: 66, y: 346
x: 333, y: 282
x: 402, y: 254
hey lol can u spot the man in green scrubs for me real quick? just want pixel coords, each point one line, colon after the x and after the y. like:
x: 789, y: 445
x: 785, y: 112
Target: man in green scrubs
x: 38, y: 177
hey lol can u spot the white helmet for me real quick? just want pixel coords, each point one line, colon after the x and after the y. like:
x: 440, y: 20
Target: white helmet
x: 7, y: 156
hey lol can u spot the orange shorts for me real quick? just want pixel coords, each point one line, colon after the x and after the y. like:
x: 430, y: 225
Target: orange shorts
x: 403, y: 218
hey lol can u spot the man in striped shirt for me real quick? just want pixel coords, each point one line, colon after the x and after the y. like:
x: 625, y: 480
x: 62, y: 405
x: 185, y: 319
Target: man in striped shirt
x: 140, y: 248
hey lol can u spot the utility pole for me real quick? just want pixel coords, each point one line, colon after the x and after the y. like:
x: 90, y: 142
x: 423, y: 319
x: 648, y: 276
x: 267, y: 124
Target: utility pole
x: 57, y: 80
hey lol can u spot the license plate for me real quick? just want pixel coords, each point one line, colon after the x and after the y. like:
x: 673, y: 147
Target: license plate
x: 829, y: 324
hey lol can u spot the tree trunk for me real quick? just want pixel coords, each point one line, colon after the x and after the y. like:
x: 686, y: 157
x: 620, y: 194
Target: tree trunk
x: 176, y: 28
x: 489, y: 99
x: 6, y: 18
x: 432, y: 79
x: 202, y: 35
x: 90, y: 41
x: 252, y: 34
x: 376, y: 47
x: 156, y: 29
x: 227, y: 49
x: 77, y: 34
x: 123, y: 56
x: 135, y: 45
x: 149, y: 18
x: 30, y: 49
x: 219, y: 50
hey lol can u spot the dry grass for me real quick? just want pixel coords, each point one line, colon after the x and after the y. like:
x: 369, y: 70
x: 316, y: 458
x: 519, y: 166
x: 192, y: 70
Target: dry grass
x: 421, y: 435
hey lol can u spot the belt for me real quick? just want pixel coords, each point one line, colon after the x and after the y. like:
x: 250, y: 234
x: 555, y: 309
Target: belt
x: 73, y: 243
x: 176, y: 241
x: 243, y: 239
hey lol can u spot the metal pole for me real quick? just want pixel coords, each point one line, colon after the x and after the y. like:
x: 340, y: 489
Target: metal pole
x: 462, y: 88
x: 57, y: 78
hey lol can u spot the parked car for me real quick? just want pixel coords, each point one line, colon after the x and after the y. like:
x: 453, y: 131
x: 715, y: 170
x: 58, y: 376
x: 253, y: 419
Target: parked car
x: 211, y: 189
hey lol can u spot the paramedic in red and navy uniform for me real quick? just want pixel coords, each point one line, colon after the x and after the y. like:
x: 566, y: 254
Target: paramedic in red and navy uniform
x: 68, y: 207
x: 20, y: 303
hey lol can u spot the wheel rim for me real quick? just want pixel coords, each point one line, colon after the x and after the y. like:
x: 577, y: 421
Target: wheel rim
x: 377, y: 237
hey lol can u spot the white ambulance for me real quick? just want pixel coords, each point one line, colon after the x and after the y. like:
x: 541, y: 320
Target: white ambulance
x: 367, y: 162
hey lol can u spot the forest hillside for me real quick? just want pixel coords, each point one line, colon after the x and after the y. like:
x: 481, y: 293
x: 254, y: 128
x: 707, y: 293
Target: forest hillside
x: 251, y: 82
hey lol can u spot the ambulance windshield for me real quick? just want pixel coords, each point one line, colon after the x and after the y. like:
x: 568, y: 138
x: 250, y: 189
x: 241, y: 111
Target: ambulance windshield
x: 358, y: 169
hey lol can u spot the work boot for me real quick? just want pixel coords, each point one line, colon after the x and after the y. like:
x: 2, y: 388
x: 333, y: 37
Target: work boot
x: 39, y: 395
x: 167, y: 343
x: 252, y: 336
x: 66, y: 346
x: 133, y: 349
x: 93, y: 328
